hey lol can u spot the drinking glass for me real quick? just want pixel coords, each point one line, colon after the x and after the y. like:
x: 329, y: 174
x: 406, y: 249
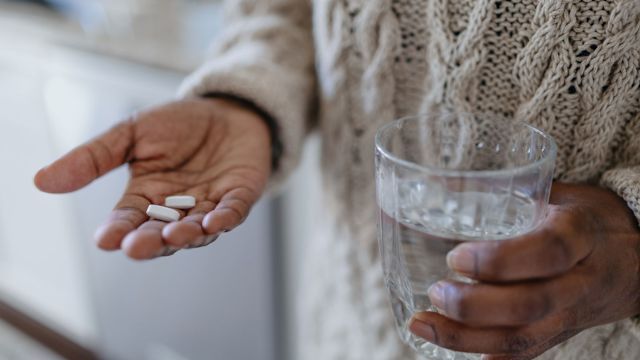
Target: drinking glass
x: 445, y: 178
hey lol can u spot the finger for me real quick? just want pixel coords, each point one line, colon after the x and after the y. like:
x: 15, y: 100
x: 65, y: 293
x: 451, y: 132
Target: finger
x: 230, y: 212
x: 558, y: 245
x: 127, y: 216
x: 145, y: 242
x: 491, y: 305
x: 187, y: 235
x: 508, y: 357
x: 188, y: 230
x: 167, y: 251
x: 87, y: 162
x: 444, y: 332
x: 181, y: 233
x: 203, y: 241
x: 535, y: 351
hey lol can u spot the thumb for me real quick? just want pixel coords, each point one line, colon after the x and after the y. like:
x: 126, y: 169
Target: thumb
x: 87, y: 162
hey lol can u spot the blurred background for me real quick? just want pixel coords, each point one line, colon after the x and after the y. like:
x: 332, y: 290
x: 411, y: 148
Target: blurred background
x: 70, y: 69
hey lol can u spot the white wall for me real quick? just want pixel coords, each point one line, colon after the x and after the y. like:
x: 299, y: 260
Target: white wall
x: 300, y: 209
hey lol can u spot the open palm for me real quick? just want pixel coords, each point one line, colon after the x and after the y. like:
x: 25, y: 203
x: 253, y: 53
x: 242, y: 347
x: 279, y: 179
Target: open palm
x: 214, y: 150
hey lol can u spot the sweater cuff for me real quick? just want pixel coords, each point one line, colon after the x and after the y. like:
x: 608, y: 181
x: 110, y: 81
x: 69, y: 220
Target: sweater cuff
x: 635, y: 326
x: 274, y: 92
x: 626, y: 183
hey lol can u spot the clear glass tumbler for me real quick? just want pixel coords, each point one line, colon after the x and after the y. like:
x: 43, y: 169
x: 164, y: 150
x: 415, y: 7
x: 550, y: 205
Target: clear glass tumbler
x: 447, y: 178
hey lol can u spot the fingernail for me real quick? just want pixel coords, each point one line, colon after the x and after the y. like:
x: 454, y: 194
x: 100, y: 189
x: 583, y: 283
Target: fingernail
x: 423, y: 330
x: 436, y: 295
x: 461, y: 259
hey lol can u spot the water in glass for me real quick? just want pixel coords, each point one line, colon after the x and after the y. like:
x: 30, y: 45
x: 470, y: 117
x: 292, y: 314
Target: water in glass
x: 426, y: 228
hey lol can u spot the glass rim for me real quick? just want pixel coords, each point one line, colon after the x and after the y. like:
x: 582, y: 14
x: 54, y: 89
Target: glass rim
x: 553, y: 150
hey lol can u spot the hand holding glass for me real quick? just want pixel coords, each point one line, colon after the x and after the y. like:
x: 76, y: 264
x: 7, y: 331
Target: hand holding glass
x: 447, y: 178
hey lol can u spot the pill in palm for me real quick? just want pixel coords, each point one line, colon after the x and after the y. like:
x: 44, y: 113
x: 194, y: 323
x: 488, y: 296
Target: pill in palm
x: 162, y: 213
x: 180, y: 202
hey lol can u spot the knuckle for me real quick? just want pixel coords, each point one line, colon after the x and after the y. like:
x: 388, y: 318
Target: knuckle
x: 93, y: 150
x: 549, y: 236
x: 450, y: 339
x: 237, y: 208
x: 459, y: 303
x: 517, y: 342
x: 491, y: 261
x: 558, y: 251
x: 491, y: 268
x: 531, y: 308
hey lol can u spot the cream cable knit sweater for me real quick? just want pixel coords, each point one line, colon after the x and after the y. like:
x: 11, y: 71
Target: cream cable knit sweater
x: 571, y: 67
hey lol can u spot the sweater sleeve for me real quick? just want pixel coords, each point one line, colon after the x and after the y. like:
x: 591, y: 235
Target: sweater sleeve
x: 624, y: 179
x: 265, y: 55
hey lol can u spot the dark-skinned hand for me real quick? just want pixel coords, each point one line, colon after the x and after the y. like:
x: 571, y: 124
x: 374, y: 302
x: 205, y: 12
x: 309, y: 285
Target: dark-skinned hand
x: 580, y: 269
x: 212, y: 149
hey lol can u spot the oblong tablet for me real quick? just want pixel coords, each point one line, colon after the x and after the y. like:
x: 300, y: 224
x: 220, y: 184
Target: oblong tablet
x: 162, y: 213
x: 180, y: 202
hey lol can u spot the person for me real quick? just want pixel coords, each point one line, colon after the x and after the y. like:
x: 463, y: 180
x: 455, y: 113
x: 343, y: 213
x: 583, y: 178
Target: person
x: 282, y: 68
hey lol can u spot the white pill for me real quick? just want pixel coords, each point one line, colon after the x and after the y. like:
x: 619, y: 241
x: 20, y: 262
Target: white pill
x: 162, y: 213
x: 180, y: 202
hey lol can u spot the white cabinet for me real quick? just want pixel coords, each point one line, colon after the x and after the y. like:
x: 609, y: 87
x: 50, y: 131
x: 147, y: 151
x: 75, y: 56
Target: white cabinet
x: 41, y: 266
